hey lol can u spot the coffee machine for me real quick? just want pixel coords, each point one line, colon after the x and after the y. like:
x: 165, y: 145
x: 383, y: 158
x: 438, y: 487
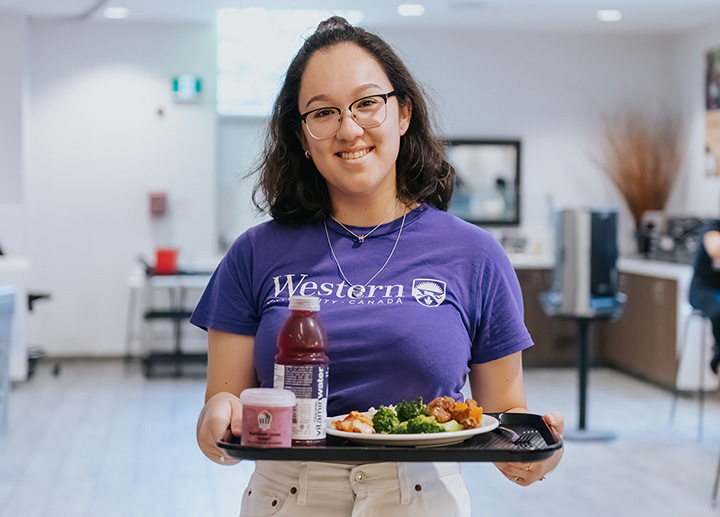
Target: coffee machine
x: 585, y: 275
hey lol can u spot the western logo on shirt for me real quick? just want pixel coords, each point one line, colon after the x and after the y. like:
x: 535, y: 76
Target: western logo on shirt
x: 292, y: 285
x: 428, y: 291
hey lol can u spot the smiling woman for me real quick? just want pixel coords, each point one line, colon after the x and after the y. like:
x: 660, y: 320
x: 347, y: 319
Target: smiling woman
x: 415, y: 301
x: 358, y: 164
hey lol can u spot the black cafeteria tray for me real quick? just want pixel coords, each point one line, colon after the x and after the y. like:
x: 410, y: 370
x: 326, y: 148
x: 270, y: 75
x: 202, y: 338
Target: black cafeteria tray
x: 492, y: 446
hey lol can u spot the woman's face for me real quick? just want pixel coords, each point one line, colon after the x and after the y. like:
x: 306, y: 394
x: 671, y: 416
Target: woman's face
x: 356, y: 163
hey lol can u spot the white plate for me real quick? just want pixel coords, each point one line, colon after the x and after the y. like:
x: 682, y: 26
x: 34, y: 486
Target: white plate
x: 487, y: 424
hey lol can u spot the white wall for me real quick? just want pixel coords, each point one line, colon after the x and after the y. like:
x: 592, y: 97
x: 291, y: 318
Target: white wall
x: 13, y: 271
x: 240, y: 144
x: 97, y: 146
x: 696, y: 192
x: 12, y: 47
x: 548, y: 89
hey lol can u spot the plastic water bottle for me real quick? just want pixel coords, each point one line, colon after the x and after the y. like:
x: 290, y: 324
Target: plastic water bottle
x: 301, y: 366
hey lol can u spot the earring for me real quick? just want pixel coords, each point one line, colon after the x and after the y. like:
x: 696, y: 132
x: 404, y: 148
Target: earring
x: 307, y: 154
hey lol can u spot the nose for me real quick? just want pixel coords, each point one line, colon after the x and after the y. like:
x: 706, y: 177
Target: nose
x: 349, y: 129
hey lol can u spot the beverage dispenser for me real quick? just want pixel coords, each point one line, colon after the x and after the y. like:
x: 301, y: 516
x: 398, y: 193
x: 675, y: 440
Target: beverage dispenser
x: 585, y: 276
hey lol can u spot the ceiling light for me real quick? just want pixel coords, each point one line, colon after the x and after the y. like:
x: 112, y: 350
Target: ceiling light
x: 410, y: 10
x: 609, y: 15
x: 116, y: 13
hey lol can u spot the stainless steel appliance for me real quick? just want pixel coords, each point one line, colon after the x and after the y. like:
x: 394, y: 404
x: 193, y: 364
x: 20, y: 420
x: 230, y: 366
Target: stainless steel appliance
x: 585, y: 276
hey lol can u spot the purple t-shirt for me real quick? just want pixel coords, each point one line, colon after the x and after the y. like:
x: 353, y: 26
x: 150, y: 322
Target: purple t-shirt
x: 448, y: 297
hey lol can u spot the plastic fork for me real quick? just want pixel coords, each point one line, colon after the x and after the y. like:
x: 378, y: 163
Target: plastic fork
x: 512, y: 435
x: 523, y: 439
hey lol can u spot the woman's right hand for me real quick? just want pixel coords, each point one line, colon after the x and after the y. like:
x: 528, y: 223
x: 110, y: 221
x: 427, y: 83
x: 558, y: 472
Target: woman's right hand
x: 220, y: 419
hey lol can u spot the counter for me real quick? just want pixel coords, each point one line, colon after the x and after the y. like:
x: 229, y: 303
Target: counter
x: 679, y: 277
x: 647, y: 340
x: 656, y: 268
x: 528, y: 261
x: 14, y: 272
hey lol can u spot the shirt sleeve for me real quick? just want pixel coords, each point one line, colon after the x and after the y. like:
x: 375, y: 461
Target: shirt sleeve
x: 227, y: 304
x: 500, y: 328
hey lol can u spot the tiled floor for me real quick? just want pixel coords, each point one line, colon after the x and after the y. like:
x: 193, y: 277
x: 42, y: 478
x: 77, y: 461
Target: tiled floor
x: 102, y: 441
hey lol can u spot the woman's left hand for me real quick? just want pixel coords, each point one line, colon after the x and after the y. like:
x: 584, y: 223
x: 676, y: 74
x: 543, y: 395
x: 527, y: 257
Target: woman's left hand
x: 525, y: 474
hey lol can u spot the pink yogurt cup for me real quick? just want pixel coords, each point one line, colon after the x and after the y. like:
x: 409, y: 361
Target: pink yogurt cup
x: 267, y: 417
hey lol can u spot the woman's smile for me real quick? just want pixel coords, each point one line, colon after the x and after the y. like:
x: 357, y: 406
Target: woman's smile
x: 354, y: 155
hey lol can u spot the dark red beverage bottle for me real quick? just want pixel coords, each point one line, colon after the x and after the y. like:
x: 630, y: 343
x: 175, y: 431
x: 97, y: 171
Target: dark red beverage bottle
x: 301, y: 366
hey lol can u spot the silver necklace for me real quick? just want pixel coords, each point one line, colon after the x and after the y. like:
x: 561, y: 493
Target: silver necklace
x: 361, y: 238
x: 357, y: 290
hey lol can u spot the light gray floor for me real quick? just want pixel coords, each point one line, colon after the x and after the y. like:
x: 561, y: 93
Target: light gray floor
x: 102, y: 441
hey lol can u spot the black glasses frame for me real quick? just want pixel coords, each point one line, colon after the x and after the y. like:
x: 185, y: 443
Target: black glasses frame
x: 383, y: 96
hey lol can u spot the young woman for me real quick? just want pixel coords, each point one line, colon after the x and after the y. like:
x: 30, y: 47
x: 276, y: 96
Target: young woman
x: 705, y: 285
x: 414, y: 300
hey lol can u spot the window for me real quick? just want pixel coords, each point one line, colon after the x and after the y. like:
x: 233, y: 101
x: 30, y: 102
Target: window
x: 254, y: 48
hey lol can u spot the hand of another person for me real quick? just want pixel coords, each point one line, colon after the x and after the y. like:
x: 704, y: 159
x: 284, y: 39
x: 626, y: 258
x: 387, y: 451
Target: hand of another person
x: 711, y: 241
x: 220, y: 419
x: 525, y: 474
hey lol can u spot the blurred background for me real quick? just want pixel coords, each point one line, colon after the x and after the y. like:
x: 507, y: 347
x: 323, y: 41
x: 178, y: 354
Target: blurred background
x: 127, y: 127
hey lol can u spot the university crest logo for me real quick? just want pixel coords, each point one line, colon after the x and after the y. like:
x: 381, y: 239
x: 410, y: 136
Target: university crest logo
x: 428, y: 292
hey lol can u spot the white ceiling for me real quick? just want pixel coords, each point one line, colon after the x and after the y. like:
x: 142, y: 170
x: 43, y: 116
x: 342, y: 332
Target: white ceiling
x: 638, y: 15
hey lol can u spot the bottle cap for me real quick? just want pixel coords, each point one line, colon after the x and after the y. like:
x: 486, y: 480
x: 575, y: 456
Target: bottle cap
x: 304, y: 303
x: 272, y: 397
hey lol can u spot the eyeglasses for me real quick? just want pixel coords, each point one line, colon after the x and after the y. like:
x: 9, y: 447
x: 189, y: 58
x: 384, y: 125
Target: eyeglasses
x: 367, y: 112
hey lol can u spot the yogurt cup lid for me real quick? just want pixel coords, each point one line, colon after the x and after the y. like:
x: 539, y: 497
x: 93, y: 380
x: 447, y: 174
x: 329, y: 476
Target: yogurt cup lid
x: 267, y: 397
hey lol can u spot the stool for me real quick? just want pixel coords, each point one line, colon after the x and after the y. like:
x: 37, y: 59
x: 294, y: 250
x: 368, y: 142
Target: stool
x: 698, y: 316
x: 35, y: 354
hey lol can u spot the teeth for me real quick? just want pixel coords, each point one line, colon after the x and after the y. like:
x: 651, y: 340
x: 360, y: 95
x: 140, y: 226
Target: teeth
x: 355, y: 155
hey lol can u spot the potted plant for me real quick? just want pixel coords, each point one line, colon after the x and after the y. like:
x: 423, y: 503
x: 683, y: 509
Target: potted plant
x: 642, y: 154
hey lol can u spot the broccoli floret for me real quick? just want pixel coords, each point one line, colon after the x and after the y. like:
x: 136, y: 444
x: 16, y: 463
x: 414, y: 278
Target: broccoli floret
x: 451, y: 426
x: 385, y: 420
x: 407, y: 410
x: 401, y: 428
x: 424, y: 424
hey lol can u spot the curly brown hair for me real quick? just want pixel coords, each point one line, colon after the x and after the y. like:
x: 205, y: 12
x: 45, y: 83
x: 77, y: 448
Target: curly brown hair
x: 290, y: 187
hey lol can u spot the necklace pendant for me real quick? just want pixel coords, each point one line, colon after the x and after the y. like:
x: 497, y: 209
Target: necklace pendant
x: 357, y: 291
x: 361, y: 239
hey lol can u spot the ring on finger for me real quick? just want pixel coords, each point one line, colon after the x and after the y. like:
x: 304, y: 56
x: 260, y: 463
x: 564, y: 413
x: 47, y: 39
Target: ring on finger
x: 529, y: 467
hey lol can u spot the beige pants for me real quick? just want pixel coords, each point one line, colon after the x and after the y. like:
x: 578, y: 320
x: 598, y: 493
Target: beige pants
x: 312, y: 489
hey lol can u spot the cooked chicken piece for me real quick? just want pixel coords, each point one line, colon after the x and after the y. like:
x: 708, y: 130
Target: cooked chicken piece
x: 468, y: 414
x: 440, y: 408
x: 355, y: 422
x: 362, y: 427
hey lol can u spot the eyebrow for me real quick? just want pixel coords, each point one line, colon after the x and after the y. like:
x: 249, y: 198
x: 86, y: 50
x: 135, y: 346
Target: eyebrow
x: 356, y: 91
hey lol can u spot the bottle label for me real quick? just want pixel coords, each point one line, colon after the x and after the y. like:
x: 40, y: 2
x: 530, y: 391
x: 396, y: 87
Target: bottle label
x: 310, y: 386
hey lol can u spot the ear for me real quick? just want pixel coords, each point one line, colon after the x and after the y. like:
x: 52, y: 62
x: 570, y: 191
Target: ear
x: 301, y: 137
x: 405, y: 116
